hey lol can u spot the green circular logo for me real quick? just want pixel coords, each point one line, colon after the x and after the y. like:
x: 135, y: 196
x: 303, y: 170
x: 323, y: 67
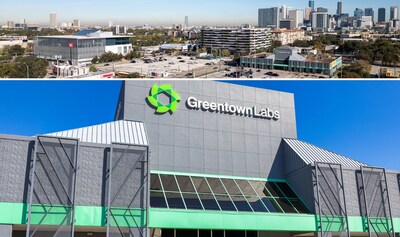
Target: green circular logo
x: 166, y: 89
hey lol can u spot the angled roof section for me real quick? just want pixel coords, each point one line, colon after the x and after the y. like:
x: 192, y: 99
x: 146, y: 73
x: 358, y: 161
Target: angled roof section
x: 309, y: 154
x: 122, y: 131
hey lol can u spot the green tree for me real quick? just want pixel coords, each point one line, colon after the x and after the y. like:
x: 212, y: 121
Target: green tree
x: 37, y: 67
x: 95, y: 60
x: 93, y: 69
x: 6, y: 70
x: 16, y: 50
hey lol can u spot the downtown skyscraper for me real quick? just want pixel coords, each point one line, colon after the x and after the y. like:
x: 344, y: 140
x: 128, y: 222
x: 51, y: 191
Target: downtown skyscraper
x: 394, y: 12
x: 268, y: 17
x: 53, y: 20
x: 339, y: 10
x: 381, y: 14
x: 311, y: 5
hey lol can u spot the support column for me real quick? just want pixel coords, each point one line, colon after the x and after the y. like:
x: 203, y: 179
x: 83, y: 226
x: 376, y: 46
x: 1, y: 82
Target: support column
x: 6, y: 230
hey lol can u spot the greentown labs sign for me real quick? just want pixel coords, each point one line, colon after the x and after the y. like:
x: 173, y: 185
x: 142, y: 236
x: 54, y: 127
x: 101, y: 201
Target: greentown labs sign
x: 193, y: 103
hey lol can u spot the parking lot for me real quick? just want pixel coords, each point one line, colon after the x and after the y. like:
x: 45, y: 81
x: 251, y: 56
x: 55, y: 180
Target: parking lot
x: 263, y: 74
x: 167, y: 66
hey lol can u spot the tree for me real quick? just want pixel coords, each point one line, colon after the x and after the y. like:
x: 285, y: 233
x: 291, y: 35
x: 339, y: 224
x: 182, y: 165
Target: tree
x: 37, y: 67
x: 274, y: 44
x: 93, y: 69
x: 133, y: 54
x: 134, y: 75
x: 225, y: 53
x: 95, y: 60
x: 6, y: 70
x: 16, y: 50
x: 110, y: 57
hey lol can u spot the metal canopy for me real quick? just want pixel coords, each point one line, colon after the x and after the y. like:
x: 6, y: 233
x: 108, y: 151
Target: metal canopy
x: 310, y: 154
x: 122, y: 131
x: 374, y: 200
x: 127, y: 191
x: 52, y: 189
x: 331, y: 199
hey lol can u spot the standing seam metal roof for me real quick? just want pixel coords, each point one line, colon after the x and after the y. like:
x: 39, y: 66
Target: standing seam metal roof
x: 310, y: 154
x: 122, y: 131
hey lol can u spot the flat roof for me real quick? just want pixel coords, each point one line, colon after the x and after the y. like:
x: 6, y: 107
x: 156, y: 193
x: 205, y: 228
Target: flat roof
x: 81, y: 37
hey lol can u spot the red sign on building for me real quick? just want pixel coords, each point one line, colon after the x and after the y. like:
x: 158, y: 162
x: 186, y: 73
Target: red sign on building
x: 70, y: 44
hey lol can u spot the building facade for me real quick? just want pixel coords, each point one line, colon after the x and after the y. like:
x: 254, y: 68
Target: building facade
x: 80, y: 48
x: 268, y: 17
x: 236, y: 40
x: 287, y: 36
x: 53, y: 20
x: 210, y: 159
x: 319, y: 21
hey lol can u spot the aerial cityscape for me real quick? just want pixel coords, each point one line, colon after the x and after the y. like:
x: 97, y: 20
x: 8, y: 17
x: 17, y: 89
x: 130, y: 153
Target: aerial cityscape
x: 310, y: 39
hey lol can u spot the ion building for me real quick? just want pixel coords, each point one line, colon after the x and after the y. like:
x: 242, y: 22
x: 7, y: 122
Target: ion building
x: 80, y: 48
x: 288, y: 59
x: 192, y: 159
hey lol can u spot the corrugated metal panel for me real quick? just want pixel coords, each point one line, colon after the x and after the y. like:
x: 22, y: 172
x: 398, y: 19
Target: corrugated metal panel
x: 121, y: 131
x: 310, y: 154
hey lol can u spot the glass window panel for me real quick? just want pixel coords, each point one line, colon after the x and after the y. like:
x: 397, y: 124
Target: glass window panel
x: 286, y: 189
x: 209, y: 202
x: 201, y: 185
x: 216, y: 186
x: 299, y: 205
x: 225, y: 203
x: 186, y: 233
x: 286, y: 205
x: 271, y: 204
x: 231, y: 186
x: 155, y: 182
x: 251, y: 233
x: 192, y: 201
x: 256, y: 204
x: 259, y: 186
x: 168, y: 182
x: 241, y: 203
x: 204, y: 233
x: 157, y: 200
x: 273, y: 189
x: 167, y: 233
x: 175, y: 200
x: 235, y: 233
x: 246, y: 188
x: 185, y: 184
x: 218, y: 233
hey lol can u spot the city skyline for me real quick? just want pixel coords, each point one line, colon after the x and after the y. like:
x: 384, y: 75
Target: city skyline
x: 161, y: 12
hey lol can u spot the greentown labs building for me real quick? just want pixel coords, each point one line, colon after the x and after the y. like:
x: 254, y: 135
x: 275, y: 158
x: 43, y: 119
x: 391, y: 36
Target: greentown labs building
x: 191, y: 159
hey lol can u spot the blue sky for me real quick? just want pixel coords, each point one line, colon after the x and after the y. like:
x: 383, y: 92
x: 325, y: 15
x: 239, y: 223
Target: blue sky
x: 160, y: 12
x: 359, y: 119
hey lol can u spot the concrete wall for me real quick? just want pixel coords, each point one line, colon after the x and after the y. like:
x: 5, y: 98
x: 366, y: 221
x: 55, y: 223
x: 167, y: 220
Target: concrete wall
x: 214, y: 143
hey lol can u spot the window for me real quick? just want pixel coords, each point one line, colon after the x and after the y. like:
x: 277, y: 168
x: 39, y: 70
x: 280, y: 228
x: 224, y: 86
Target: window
x: 223, y: 194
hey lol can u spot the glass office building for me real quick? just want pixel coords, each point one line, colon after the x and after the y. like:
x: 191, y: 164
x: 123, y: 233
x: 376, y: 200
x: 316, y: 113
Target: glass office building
x: 80, y: 48
x: 191, y: 159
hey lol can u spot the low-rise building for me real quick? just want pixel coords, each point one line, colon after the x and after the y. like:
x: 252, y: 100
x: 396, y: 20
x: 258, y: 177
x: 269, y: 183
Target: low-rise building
x: 80, y: 48
x: 245, y: 40
x: 287, y: 58
x: 287, y: 36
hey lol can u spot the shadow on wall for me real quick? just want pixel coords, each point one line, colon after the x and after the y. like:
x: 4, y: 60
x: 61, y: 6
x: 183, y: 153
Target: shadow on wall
x: 277, y: 170
x: 27, y: 183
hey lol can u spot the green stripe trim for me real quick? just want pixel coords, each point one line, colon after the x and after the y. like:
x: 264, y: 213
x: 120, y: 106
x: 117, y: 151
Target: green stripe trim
x: 216, y: 176
x: 95, y: 216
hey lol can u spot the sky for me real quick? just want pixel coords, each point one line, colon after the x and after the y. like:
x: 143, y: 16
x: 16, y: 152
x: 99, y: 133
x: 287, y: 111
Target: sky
x: 161, y: 12
x: 357, y: 119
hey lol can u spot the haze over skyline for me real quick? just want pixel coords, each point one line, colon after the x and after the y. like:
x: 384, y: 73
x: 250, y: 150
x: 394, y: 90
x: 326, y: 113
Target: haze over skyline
x: 162, y: 12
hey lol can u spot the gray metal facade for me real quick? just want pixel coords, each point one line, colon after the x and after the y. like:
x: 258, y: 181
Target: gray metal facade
x: 213, y: 143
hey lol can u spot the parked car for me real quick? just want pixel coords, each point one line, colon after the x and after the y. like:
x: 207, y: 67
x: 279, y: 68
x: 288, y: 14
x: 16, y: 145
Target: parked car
x: 181, y: 61
x: 179, y: 58
x: 107, y: 64
x: 133, y: 61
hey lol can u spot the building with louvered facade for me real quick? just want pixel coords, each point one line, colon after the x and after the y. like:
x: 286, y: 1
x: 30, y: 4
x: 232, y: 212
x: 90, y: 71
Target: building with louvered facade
x: 243, y: 40
x: 191, y: 159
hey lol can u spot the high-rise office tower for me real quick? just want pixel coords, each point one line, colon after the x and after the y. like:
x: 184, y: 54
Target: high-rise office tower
x: 311, y: 4
x: 319, y: 21
x: 339, y: 8
x: 10, y: 24
x: 77, y: 23
x: 53, y: 20
x: 110, y: 24
x: 370, y: 12
x: 358, y: 13
x: 283, y: 12
x: 394, y: 12
x: 268, y: 17
x: 186, y: 21
x: 297, y: 16
x: 307, y: 13
x: 381, y: 14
